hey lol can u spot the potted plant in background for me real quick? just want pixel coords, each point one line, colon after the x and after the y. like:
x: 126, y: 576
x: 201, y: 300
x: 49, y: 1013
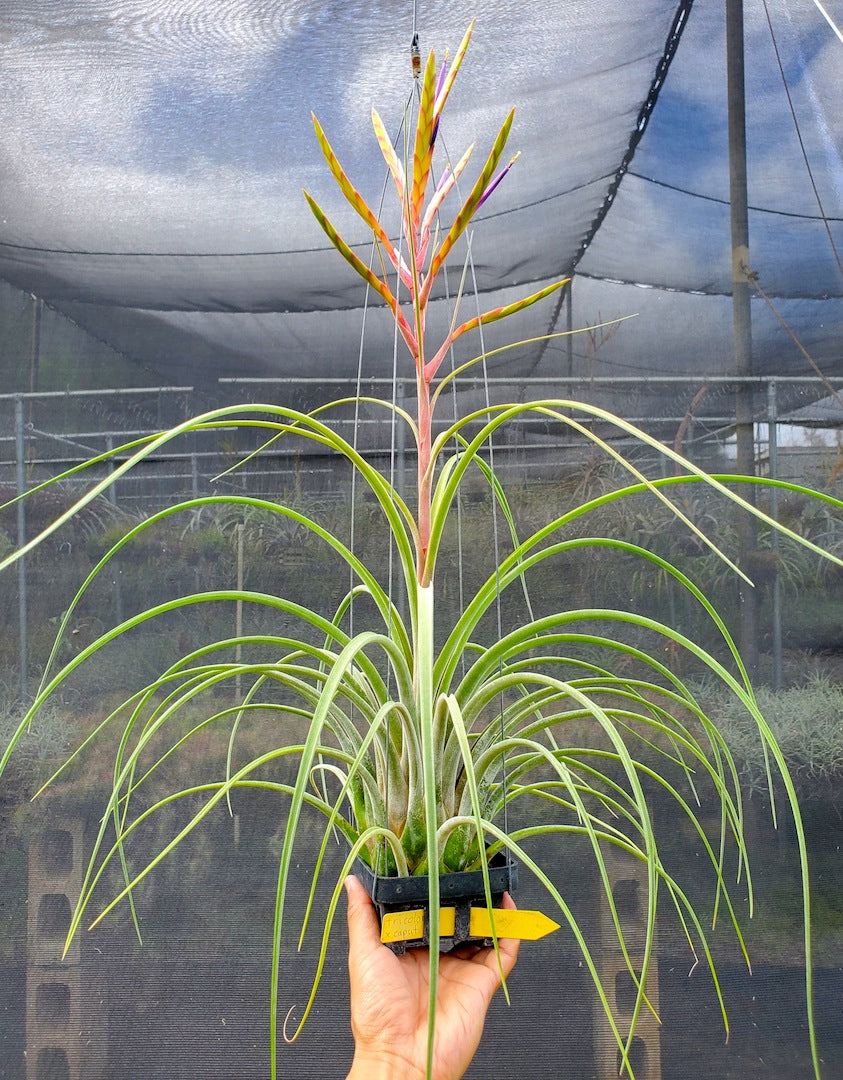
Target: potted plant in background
x: 412, y: 735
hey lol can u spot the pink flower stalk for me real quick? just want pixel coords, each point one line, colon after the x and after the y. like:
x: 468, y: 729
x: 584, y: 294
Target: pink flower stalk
x: 418, y: 270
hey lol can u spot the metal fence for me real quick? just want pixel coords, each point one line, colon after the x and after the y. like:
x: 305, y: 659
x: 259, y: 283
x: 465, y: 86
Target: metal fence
x: 797, y: 430
x: 43, y: 435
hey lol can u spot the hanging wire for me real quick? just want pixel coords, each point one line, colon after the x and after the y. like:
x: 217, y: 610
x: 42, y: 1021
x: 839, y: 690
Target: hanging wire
x: 496, y: 551
x: 495, y: 522
x: 459, y: 501
x: 753, y: 280
x: 829, y: 19
x: 397, y: 465
x: 415, y: 59
x: 674, y: 36
x: 808, y: 168
x: 415, y: 56
x: 393, y: 465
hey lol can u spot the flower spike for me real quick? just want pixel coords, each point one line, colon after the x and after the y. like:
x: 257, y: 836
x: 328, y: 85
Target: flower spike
x: 446, y: 182
x: 426, y: 252
x: 423, y: 151
x: 437, y: 112
x: 498, y: 179
x: 351, y: 193
x: 363, y: 270
x: 442, y: 94
x: 469, y: 206
x: 489, y: 317
x: 390, y: 157
x: 440, y: 82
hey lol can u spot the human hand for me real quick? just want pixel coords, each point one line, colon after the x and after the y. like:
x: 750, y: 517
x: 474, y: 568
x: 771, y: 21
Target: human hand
x: 389, y: 999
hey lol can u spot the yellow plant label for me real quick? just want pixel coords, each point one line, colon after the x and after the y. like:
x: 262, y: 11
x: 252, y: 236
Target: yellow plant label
x: 402, y: 925
x: 524, y: 925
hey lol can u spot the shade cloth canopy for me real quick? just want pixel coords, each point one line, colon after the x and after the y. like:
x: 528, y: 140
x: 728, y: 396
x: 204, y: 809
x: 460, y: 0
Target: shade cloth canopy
x: 153, y: 156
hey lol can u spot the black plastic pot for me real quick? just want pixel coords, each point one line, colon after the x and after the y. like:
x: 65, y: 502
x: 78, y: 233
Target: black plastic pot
x: 461, y: 891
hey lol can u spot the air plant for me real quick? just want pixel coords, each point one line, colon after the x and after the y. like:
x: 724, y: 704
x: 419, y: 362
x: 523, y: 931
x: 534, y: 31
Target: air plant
x: 426, y: 732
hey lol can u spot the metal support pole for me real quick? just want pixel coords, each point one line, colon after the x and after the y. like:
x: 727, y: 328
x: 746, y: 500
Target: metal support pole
x: 20, y: 453
x: 569, y: 328
x: 35, y: 344
x: 773, y: 455
x: 741, y: 314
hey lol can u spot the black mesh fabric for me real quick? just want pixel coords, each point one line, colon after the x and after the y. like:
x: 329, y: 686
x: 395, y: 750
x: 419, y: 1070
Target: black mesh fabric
x: 153, y: 156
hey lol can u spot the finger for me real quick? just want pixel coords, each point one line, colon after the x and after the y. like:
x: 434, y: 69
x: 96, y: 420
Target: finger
x: 508, y: 946
x: 363, y: 926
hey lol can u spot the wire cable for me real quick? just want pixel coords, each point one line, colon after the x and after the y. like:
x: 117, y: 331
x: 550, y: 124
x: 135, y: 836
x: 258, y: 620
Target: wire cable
x: 674, y: 36
x: 829, y: 20
x: 801, y: 140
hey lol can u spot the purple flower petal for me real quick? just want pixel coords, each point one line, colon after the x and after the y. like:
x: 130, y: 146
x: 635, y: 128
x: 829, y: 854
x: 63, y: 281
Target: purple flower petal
x: 497, y: 180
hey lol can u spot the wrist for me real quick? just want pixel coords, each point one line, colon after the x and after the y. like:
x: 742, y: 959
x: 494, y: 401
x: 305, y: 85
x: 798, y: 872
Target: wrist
x: 381, y: 1066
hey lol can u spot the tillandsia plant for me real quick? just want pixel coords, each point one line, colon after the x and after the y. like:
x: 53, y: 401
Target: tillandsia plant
x: 419, y: 734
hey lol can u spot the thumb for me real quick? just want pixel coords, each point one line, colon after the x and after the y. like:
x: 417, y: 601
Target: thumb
x: 363, y: 925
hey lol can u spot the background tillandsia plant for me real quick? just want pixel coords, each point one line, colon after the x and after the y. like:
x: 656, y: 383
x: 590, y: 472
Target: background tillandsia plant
x: 413, y: 734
